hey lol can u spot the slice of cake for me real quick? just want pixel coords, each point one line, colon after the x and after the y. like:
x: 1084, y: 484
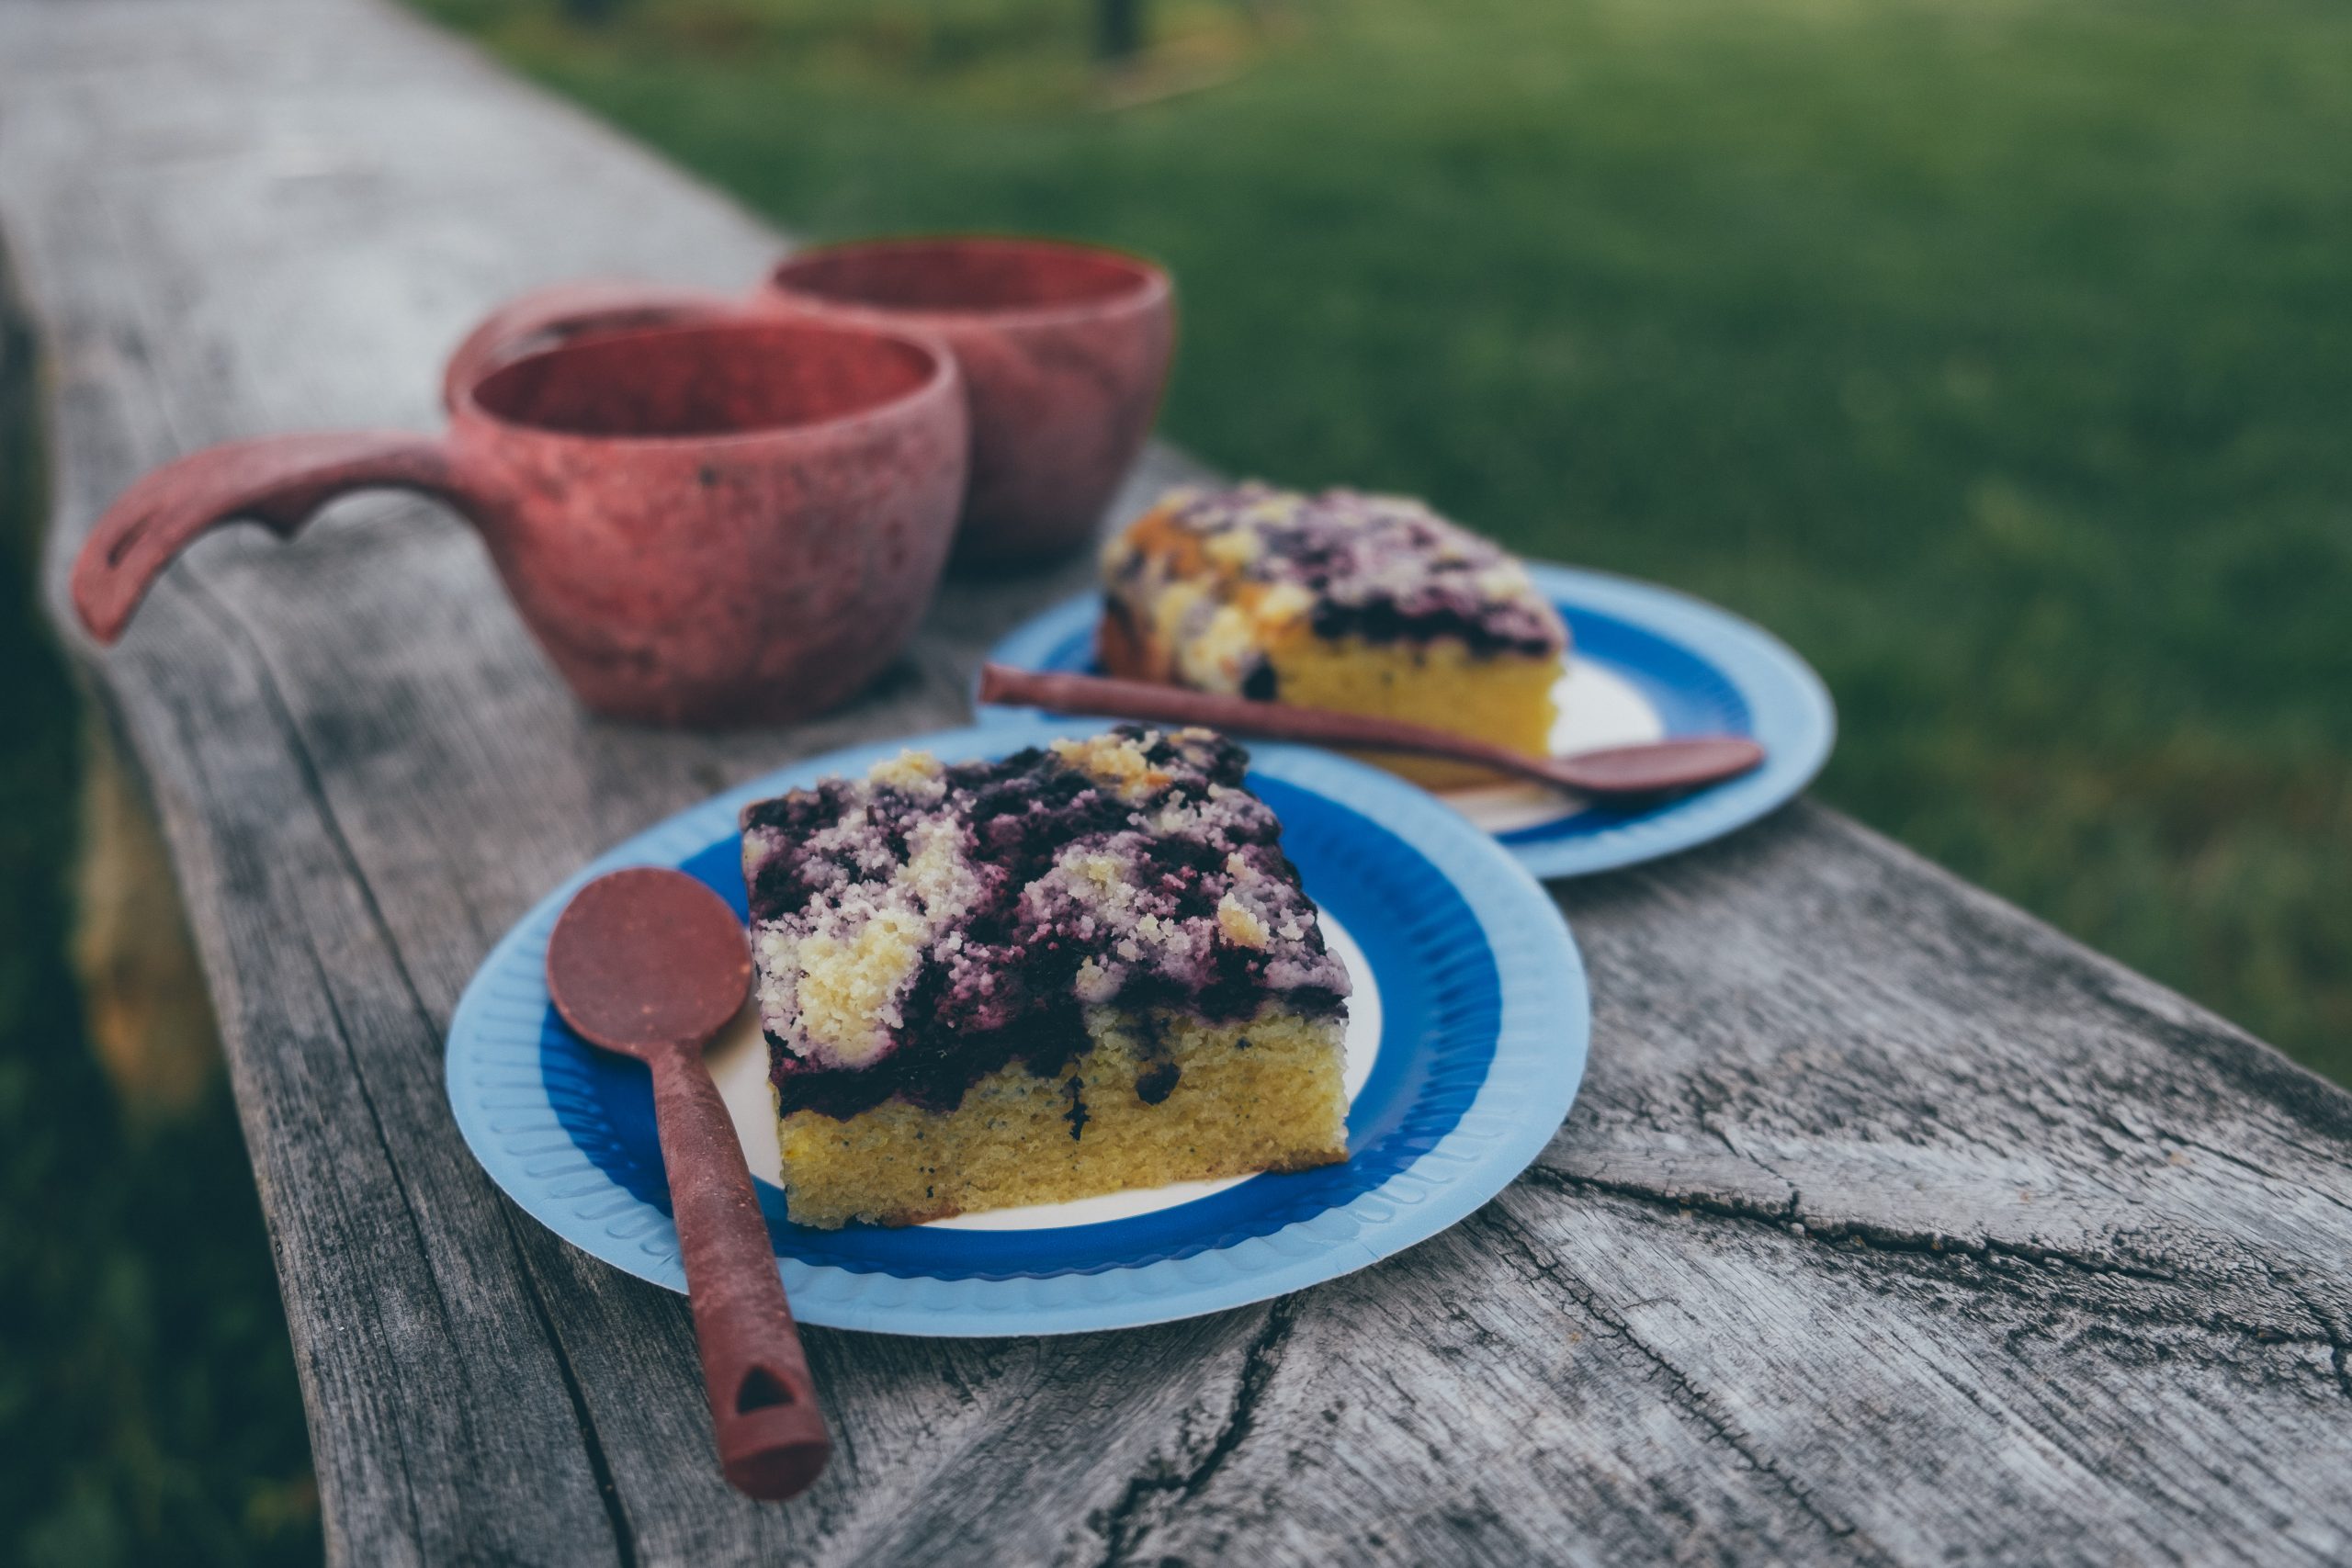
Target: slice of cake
x: 1367, y: 603
x: 1080, y: 969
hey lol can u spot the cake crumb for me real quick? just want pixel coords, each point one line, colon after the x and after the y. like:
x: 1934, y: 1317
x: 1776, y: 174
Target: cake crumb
x: 912, y: 773
x: 1242, y: 927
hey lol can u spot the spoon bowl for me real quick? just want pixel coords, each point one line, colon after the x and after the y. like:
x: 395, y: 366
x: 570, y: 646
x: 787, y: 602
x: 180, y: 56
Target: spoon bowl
x: 643, y: 959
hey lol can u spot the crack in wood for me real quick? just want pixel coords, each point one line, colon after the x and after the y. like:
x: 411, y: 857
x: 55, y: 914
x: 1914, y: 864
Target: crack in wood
x: 2339, y: 1353
x: 600, y: 1463
x: 1789, y: 1218
x: 408, y: 1208
x: 1700, y: 1405
x: 1121, y: 1526
x: 314, y: 790
x: 1880, y: 1239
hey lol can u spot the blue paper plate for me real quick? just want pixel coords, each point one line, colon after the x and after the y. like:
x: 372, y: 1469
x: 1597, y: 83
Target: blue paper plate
x: 1649, y: 663
x: 1467, y: 1043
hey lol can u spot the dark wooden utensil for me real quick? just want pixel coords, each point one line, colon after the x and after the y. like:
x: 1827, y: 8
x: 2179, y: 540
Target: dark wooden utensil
x: 1660, y: 767
x: 650, y: 964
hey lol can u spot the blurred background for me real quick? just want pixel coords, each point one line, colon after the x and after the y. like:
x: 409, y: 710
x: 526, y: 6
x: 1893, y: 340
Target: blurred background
x: 1997, y: 354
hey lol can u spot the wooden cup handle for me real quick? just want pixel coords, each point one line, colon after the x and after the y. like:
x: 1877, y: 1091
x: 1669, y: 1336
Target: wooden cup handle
x: 763, y: 1410
x: 278, y: 480
x: 565, y: 311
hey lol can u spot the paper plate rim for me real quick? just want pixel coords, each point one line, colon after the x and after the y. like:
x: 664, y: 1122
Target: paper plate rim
x: 1782, y: 703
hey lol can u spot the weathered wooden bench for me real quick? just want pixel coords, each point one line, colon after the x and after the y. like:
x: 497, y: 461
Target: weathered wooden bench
x: 1890, y: 1227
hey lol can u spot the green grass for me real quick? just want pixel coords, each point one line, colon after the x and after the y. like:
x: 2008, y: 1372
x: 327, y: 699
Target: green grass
x: 1995, y: 353
x: 148, y: 1407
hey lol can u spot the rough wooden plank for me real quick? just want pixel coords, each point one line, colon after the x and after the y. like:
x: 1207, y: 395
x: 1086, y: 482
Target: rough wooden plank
x: 1890, y: 1225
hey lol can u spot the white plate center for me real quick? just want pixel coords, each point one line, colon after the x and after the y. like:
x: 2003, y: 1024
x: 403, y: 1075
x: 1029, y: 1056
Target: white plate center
x: 739, y: 1062
x: 1598, y: 707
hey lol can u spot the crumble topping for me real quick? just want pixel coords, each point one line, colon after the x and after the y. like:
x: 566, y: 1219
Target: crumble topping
x: 921, y: 926
x: 1217, y: 572
x: 1119, y: 759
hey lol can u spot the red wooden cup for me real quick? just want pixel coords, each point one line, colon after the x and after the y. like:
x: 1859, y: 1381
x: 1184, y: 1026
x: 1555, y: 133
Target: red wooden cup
x: 1064, y: 350
x: 723, y: 523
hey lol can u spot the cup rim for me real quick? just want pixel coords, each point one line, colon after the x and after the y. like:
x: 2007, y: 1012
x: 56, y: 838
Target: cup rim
x: 1150, y: 282
x: 944, y: 377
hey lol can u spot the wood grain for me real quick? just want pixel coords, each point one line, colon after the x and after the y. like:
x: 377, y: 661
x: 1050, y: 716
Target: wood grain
x: 1890, y: 1227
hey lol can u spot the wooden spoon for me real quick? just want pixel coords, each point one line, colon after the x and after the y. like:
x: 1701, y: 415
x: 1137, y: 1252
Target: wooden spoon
x: 1659, y: 767
x: 650, y: 964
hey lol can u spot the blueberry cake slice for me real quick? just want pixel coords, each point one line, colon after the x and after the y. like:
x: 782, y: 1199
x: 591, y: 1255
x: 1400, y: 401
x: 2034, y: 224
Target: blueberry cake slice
x: 1366, y: 604
x: 1086, y: 967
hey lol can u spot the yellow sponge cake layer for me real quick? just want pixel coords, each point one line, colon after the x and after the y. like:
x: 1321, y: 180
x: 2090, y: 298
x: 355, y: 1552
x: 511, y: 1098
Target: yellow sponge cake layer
x: 1503, y: 697
x: 1158, y: 1098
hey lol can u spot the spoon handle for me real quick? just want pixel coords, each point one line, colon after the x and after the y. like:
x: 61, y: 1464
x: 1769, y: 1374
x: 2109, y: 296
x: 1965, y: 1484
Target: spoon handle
x: 772, y: 1438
